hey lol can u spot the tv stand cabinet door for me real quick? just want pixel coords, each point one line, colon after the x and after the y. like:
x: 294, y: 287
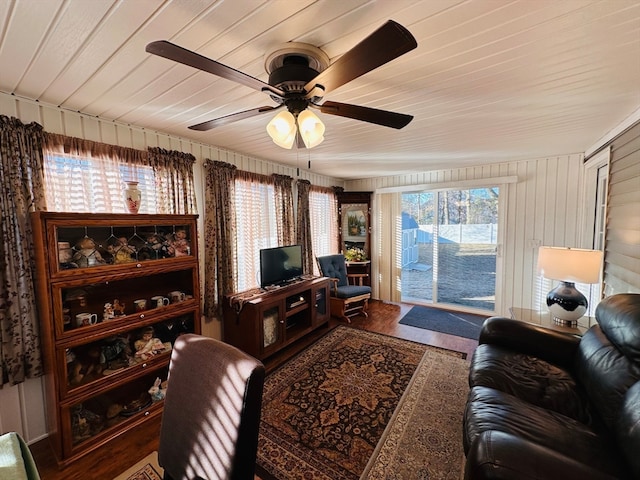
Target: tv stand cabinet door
x: 321, y: 311
x: 271, y: 326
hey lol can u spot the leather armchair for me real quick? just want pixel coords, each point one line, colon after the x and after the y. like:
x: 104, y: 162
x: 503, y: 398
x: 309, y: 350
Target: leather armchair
x: 549, y: 405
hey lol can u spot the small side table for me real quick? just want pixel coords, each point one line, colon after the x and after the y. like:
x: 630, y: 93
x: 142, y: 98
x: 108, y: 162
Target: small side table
x: 544, y: 319
x: 362, y: 268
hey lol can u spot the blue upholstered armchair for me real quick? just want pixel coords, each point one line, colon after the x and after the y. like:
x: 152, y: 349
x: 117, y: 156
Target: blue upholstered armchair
x: 349, y: 297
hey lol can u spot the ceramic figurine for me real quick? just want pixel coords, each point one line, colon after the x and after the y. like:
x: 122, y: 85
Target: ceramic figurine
x: 147, y: 345
x: 180, y: 245
x: 156, y: 246
x: 108, y: 313
x: 122, y: 252
x: 118, y: 307
x: 157, y: 390
x: 86, y: 254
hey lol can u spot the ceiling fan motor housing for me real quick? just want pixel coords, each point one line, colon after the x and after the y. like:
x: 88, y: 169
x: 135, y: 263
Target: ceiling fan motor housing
x: 291, y: 67
x: 294, y: 74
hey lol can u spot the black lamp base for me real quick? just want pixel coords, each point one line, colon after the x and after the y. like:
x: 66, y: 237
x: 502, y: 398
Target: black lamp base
x: 566, y: 304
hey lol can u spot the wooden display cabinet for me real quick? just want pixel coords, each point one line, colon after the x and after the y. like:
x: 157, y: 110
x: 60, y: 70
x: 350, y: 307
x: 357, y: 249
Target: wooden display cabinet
x: 104, y: 281
x: 268, y: 321
x: 354, y: 215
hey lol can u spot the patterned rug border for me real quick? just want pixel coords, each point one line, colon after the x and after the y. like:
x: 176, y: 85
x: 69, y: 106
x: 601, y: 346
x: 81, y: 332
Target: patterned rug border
x: 147, y: 472
x: 278, y: 382
x: 146, y: 469
x: 411, y: 445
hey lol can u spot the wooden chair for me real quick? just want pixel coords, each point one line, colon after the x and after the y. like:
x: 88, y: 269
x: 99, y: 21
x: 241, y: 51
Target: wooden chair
x: 349, y: 297
x: 211, y: 411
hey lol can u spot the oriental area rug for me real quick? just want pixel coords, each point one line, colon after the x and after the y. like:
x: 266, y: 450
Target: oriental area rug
x: 358, y: 403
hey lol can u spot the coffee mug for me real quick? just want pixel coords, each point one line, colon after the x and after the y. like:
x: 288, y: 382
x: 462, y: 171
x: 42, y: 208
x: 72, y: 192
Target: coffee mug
x: 84, y: 319
x: 140, y: 304
x: 177, y: 296
x: 160, y: 301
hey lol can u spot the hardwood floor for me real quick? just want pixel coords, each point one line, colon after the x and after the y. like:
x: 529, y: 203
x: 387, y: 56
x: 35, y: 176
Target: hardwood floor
x: 106, y: 463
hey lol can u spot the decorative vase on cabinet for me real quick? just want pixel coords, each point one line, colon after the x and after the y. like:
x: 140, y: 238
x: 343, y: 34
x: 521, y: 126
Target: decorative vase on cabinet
x: 108, y: 325
x: 132, y: 197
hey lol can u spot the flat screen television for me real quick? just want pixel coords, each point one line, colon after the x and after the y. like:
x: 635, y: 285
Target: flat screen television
x: 280, y: 265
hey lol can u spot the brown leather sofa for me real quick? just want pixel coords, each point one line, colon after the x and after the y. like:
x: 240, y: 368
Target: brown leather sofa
x: 547, y: 405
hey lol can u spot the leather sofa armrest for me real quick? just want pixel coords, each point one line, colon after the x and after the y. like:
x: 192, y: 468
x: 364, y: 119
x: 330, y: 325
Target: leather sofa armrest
x: 497, y: 455
x: 549, y: 345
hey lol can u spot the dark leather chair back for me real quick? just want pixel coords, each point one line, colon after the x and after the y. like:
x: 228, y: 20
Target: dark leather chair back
x: 211, y: 411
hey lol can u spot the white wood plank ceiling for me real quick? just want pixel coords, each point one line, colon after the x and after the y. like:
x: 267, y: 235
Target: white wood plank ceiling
x: 490, y: 81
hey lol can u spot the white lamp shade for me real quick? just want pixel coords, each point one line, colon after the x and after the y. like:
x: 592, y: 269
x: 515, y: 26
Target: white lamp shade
x: 570, y: 264
x: 311, y: 128
x: 282, y: 129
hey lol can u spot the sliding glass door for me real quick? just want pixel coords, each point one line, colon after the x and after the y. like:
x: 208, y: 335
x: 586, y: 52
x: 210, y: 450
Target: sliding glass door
x: 449, y: 243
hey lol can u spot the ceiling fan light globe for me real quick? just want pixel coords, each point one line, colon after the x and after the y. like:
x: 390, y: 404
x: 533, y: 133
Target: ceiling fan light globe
x: 282, y: 129
x: 310, y: 143
x: 311, y: 128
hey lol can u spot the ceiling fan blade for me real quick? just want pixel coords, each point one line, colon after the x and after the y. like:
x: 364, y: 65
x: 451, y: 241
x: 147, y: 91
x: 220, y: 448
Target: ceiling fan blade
x: 234, y: 117
x: 366, y: 114
x: 385, y: 44
x: 169, y: 50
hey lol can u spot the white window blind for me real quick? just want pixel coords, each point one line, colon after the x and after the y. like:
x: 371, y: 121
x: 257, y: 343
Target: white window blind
x: 256, y: 229
x: 323, y: 215
x: 82, y: 184
x: 622, y: 237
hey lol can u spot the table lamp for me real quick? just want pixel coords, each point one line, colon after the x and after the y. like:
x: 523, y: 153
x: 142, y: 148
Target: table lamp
x: 568, y: 265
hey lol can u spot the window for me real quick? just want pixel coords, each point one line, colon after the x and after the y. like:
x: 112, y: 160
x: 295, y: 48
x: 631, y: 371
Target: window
x: 82, y: 184
x: 449, y: 247
x: 323, y: 215
x: 256, y: 228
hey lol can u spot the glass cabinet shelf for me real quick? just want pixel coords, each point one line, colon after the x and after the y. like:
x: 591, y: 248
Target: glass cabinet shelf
x: 94, y: 365
x: 90, y: 246
x: 101, y: 414
x: 89, y: 305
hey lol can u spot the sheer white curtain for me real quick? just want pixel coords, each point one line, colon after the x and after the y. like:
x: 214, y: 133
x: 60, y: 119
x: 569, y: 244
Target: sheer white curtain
x: 256, y: 226
x: 323, y: 214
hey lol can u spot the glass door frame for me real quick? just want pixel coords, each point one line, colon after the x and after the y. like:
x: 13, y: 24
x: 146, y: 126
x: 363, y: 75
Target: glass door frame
x: 502, y: 215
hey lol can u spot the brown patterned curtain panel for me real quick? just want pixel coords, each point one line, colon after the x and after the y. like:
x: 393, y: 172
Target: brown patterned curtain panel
x: 174, y: 180
x: 219, y: 232
x: 303, y: 229
x: 21, y: 175
x: 283, y: 185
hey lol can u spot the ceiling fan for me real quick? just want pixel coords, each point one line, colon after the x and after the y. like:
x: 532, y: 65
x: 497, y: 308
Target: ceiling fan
x: 299, y: 77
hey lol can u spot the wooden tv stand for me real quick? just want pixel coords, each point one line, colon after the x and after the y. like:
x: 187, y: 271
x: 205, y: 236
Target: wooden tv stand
x: 263, y: 322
